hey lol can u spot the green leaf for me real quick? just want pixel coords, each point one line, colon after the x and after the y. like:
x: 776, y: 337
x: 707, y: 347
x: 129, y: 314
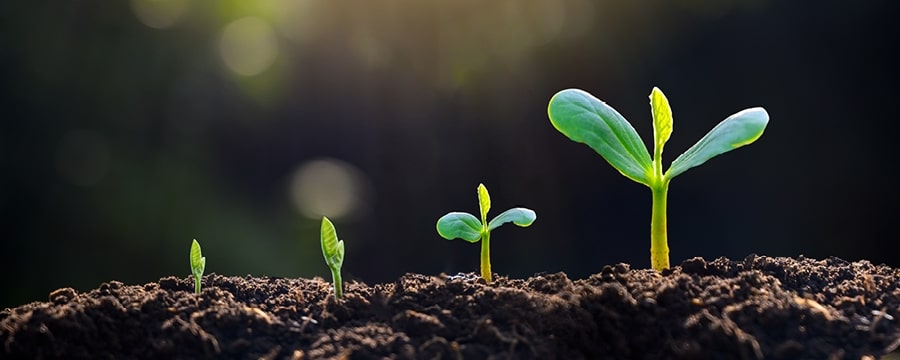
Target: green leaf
x: 198, y: 262
x: 459, y: 225
x: 737, y: 130
x: 585, y: 119
x: 339, y: 255
x: 662, y: 118
x: 332, y: 248
x: 484, y: 201
x: 520, y: 216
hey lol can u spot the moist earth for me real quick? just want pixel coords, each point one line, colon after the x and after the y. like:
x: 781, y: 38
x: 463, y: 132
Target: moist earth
x: 756, y: 308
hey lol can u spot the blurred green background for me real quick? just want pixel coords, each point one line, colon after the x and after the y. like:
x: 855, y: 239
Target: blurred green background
x: 130, y: 128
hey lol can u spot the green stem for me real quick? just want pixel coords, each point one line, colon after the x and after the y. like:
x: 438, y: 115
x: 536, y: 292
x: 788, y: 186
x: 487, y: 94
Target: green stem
x: 659, y: 185
x: 486, y: 256
x: 659, y: 242
x: 338, y: 284
x: 197, y: 284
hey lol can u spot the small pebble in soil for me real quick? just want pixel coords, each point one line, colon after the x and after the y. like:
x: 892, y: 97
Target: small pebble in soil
x: 62, y: 296
x: 607, y: 269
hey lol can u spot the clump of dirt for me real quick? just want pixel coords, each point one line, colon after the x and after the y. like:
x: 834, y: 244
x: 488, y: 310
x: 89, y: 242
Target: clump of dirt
x: 755, y: 308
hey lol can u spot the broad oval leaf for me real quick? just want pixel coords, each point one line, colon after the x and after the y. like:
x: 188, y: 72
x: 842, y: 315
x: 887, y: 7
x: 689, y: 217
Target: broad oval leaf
x: 585, y: 119
x: 198, y: 262
x: 520, y: 216
x: 484, y: 201
x: 662, y: 118
x: 332, y: 249
x: 459, y: 225
x: 737, y: 130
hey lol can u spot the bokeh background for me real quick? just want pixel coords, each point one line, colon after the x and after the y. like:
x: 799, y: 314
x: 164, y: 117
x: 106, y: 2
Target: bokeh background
x: 131, y: 127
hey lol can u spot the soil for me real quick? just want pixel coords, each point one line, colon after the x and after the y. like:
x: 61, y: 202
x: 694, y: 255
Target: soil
x: 756, y: 308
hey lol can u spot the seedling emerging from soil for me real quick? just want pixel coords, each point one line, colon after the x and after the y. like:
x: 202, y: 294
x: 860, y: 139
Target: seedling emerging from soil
x: 198, y: 264
x: 333, y: 249
x: 467, y: 227
x: 585, y: 119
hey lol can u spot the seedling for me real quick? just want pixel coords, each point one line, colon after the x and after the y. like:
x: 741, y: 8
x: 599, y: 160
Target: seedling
x: 198, y: 264
x: 585, y: 119
x: 467, y: 227
x: 333, y: 250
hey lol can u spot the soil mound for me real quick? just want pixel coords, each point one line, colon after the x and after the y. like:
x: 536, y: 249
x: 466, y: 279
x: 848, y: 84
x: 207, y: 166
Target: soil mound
x: 755, y: 308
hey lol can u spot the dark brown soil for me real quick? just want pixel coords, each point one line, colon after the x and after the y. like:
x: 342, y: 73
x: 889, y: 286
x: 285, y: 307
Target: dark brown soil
x: 759, y: 307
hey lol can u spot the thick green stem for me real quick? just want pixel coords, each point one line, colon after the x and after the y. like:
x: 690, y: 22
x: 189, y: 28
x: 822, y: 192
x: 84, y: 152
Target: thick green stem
x: 486, y: 256
x: 197, y: 284
x: 659, y: 242
x: 659, y: 185
x: 338, y: 284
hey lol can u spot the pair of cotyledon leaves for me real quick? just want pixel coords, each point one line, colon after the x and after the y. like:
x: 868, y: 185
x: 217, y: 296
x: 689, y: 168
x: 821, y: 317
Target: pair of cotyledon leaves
x: 588, y: 120
x: 469, y: 228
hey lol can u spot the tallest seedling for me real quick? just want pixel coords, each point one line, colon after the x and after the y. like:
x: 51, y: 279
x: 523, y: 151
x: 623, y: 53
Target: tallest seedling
x: 585, y: 119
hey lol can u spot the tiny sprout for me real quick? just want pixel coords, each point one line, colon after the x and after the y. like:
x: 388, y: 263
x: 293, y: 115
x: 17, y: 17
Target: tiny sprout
x: 333, y: 250
x: 198, y: 264
x: 467, y: 227
x: 585, y: 119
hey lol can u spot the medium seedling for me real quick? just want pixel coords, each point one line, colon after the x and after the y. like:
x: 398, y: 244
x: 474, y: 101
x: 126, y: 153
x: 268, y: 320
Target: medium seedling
x: 198, y: 264
x: 467, y: 227
x: 333, y: 250
x: 585, y: 119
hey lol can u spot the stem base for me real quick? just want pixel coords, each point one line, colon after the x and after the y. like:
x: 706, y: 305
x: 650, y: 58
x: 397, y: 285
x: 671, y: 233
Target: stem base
x: 659, y: 238
x: 486, y: 257
x: 338, y: 284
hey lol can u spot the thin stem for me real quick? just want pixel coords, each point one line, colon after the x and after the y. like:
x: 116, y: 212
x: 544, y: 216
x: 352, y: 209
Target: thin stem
x: 659, y: 185
x: 338, y: 284
x: 197, y: 284
x: 486, y: 256
x: 659, y: 242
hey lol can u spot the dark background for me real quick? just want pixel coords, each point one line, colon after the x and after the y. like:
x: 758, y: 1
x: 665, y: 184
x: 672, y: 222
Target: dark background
x: 130, y: 128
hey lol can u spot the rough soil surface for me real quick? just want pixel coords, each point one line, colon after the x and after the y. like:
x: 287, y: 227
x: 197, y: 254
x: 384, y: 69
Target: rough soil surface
x: 756, y: 308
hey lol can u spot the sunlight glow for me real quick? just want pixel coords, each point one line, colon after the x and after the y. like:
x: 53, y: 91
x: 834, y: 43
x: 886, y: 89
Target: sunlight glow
x: 249, y: 46
x: 159, y: 14
x: 328, y: 187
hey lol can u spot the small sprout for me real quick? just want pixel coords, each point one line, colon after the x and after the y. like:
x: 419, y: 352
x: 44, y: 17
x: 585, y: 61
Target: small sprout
x: 198, y: 264
x: 585, y: 119
x: 467, y: 227
x: 333, y: 250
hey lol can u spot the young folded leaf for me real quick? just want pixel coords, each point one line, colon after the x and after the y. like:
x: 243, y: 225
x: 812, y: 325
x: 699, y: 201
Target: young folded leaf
x: 662, y: 126
x: 484, y: 202
x: 198, y: 264
x: 333, y: 250
x: 460, y: 225
x: 585, y: 119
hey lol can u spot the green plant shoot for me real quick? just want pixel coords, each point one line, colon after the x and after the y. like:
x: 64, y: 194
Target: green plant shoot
x: 198, y: 264
x: 467, y: 227
x: 333, y: 250
x: 585, y: 119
